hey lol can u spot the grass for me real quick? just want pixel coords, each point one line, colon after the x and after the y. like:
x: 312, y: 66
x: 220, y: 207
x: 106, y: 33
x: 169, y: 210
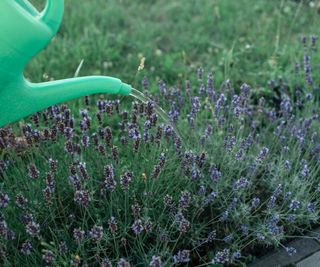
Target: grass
x: 245, y: 41
x: 244, y: 178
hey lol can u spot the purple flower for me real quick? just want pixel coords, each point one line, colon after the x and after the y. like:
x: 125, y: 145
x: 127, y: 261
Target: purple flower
x: 78, y: 235
x: 210, y: 88
x: 3, y: 229
x: 236, y: 101
x: 201, y: 159
x: 210, y: 198
x: 106, y: 263
x: 174, y: 112
x: 286, y: 107
x: 156, y: 262
x: 63, y: 248
x: 304, y: 40
x: 262, y: 155
x: 185, y: 199
x: 109, y: 181
x: 11, y: 235
x: 224, y: 216
x: 26, y: 247
x: 96, y: 233
x: 137, y: 227
x: 195, y: 174
x: 195, y: 105
x: 136, y: 208
x: 241, y: 183
x: 272, y: 226
x: 211, y: 236
x: 245, y: 90
x: 125, y: 180
x: 290, y: 250
x: 228, y: 238
x: 26, y: 218
x: 82, y: 197
x: 202, y: 190
x: 85, y: 140
x: 188, y: 88
x: 314, y: 40
x: 278, y: 190
x: 239, y: 155
x: 50, y: 182
x: 148, y: 225
x: 311, y: 207
x: 271, y: 203
x: 202, y: 89
x: 53, y: 165
x: 83, y: 170
x: 48, y: 256
x: 255, y: 202
x: 244, y: 230
x: 156, y: 171
x: 309, y: 97
x: 167, y: 200
x: 113, y: 225
x: 168, y: 131
x: 233, y: 203
x: 229, y: 142
x: 123, y: 263
x: 183, y: 256
x: 214, y: 173
x: 237, y: 254
x: 308, y: 70
x: 33, y: 228
x: 260, y: 237
x: 222, y: 257
x: 47, y: 195
x: 33, y: 171
x: 287, y: 165
x: 220, y: 104
x: 163, y: 90
x: 184, y: 225
x: 305, y: 171
x: 182, y: 221
x: 107, y: 135
x: 291, y: 218
x: 4, y: 200
x: 145, y: 83
x: 294, y: 205
x: 200, y: 72
x: 75, y: 181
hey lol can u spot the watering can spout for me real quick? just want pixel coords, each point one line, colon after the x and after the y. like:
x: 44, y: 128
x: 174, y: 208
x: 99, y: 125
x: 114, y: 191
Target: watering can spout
x: 25, y: 98
x: 55, y: 92
x: 64, y: 90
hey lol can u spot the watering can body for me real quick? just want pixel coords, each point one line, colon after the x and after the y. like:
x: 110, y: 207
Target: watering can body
x: 24, y: 32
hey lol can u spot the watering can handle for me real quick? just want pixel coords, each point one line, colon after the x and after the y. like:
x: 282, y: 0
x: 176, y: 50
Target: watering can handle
x: 53, y: 14
x: 28, y: 7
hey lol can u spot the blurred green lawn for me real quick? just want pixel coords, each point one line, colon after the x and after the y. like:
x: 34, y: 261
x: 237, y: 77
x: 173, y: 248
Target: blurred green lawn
x: 242, y: 40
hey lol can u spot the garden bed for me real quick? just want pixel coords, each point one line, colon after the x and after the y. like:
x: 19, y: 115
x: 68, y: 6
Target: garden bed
x: 110, y: 182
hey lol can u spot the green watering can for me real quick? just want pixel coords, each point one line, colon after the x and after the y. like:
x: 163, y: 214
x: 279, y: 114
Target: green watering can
x: 24, y: 32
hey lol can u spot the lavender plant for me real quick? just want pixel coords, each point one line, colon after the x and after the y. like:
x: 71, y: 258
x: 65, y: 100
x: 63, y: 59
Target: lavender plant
x: 113, y: 185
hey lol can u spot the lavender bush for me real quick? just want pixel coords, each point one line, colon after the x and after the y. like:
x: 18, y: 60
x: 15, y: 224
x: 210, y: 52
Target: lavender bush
x: 112, y: 184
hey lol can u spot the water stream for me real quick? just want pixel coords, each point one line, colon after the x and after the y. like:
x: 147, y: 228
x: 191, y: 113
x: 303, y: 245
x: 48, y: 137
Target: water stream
x: 140, y: 96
